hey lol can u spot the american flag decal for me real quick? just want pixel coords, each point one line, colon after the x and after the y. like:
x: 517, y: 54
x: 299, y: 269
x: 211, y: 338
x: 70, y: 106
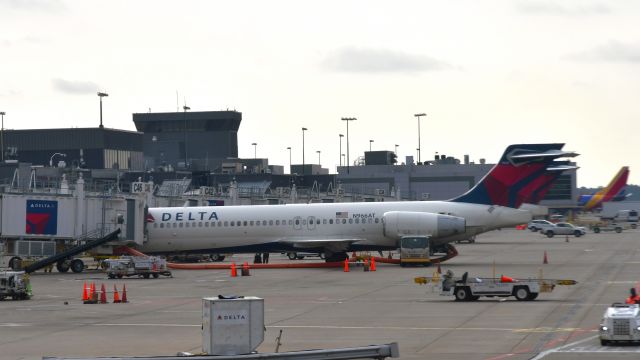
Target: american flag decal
x: 342, y: 214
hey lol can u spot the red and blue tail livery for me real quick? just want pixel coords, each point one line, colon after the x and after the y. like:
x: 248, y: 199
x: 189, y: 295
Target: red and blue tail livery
x: 524, y: 174
x: 615, y: 191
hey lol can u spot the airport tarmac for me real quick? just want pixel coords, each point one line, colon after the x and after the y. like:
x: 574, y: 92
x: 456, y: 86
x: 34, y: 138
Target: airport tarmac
x: 328, y: 308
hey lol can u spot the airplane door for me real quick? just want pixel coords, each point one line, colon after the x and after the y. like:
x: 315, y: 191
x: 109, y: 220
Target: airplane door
x: 297, y: 223
x: 311, y: 223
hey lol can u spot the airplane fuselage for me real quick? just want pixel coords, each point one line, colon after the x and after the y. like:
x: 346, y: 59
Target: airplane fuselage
x: 288, y: 227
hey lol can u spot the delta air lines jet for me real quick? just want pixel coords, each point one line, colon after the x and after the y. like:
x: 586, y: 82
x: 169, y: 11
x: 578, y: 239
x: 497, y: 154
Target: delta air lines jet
x: 338, y: 228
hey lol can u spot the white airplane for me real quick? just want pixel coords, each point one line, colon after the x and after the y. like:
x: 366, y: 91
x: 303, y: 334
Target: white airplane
x: 337, y: 228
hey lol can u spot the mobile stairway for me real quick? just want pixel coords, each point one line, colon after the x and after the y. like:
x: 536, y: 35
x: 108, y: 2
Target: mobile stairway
x: 76, y: 265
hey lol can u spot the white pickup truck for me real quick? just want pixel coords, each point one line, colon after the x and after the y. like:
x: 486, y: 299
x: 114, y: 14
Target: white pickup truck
x: 563, y: 228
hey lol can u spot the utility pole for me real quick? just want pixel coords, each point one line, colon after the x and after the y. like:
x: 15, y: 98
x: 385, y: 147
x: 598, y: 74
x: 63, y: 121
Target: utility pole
x: 347, y: 119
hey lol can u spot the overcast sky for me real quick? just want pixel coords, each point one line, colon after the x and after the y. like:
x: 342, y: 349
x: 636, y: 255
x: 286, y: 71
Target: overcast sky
x: 487, y: 73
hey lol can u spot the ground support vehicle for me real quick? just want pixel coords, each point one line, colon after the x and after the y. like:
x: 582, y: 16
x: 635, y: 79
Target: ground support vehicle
x: 471, y: 289
x: 536, y: 225
x: 14, y: 284
x: 620, y: 322
x: 563, y: 229
x: 414, y: 250
x: 141, y: 266
x: 597, y: 228
x: 292, y: 255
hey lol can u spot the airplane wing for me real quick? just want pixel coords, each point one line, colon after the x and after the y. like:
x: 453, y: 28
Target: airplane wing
x: 335, y: 245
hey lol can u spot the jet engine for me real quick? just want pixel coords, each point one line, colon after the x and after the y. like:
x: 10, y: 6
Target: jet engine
x: 407, y: 223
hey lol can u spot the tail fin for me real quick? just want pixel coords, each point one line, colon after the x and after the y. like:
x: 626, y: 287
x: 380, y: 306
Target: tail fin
x: 613, y: 192
x: 524, y: 174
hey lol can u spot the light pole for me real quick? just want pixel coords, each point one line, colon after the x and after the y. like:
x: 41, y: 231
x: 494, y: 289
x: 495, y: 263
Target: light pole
x: 318, y: 151
x: 184, y: 118
x: 303, y: 130
x: 340, y: 152
x: 52, y: 156
x: 289, y: 148
x: 418, y: 150
x: 347, y: 119
x: 396, y: 150
x: 101, y: 95
x: 370, y: 142
x: 255, y: 146
x: 2, y: 113
x: 419, y: 145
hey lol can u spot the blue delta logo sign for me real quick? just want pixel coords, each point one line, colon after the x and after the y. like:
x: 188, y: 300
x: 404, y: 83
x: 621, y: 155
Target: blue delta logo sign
x: 42, y: 217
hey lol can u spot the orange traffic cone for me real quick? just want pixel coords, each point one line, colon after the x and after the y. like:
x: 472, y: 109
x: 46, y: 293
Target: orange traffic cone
x: 85, y: 295
x: 234, y: 272
x: 545, y: 260
x: 116, y: 296
x: 373, y: 263
x: 439, y: 270
x: 103, y: 295
x: 92, y: 292
x: 346, y: 265
x: 124, y: 293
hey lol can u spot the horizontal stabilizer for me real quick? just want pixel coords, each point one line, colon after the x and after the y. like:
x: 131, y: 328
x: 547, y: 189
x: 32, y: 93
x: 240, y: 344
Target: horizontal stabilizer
x: 553, y: 153
x: 562, y: 168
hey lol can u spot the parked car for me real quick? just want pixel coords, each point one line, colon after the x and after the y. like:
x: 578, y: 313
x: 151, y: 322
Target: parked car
x: 563, y: 228
x: 536, y: 225
x: 302, y: 255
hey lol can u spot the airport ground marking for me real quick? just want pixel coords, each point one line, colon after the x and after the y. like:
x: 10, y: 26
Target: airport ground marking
x: 547, y: 352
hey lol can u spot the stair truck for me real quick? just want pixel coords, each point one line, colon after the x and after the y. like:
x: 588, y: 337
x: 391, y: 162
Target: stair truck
x: 620, y: 322
x: 471, y: 289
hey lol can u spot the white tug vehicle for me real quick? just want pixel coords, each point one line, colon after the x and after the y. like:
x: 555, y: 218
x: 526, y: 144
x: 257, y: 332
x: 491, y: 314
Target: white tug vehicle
x: 621, y: 322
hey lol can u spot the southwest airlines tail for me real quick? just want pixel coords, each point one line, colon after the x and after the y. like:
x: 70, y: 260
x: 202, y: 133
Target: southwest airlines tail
x: 524, y: 174
x: 615, y: 191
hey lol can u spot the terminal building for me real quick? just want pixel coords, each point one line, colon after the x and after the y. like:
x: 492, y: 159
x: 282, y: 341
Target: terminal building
x: 197, y: 141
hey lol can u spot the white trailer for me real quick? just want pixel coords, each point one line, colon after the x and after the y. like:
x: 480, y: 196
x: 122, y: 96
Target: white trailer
x: 141, y: 266
x: 467, y: 288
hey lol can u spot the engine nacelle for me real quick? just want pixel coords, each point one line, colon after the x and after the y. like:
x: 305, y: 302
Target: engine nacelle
x: 407, y: 223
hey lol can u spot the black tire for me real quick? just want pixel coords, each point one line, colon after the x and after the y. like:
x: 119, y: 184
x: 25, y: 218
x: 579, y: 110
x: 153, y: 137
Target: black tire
x: 522, y: 293
x: 550, y: 234
x: 15, y: 263
x: 299, y: 257
x: 618, y: 230
x: 292, y: 256
x: 111, y: 276
x: 596, y: 230
x: 146, y: 275
x: 77, y: 266
x: 604, y: 342
x: 62, y: 266
x: 156, y: 275
x: 533, y: 296
x: 533, y: 229
x: 633, y: 226
x: 120, y: 276
x: 475, y: 298
x: 462, y: 293
x: 577, y: 233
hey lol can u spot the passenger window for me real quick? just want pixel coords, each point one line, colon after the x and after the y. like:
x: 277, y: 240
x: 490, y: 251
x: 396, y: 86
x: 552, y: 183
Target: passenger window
x: 233, y: 223
x: 175, y: 225
x: 350, y: 221
x: 284, y: 222
x: 181, y: 225
x: 357, y: 221
x: 200, y: 224
x: 185, y: 224
x: 206, y: 224
x: 270, y: 222
x: 258, y: 223
x: 290, y: 222
x: 297, y: 222
x: 370, y: 221
x: 331, y: 221
x: 324, y: 221
x: 161, y: 226
x: 344, y: 221
x: 244, y: 223
x: 304, y: 222
x: 277, y: 222
x: 318, y: 222
x: 377, y: 220
x: 155, y: 225
x: 226, y: 223
x: 251, y: 223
